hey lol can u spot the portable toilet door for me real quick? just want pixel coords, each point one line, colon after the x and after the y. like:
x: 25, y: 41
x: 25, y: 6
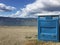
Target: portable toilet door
x: 48, y: 28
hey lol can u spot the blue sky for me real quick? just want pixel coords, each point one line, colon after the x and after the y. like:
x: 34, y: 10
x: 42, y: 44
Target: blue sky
x: 15, y: 3
x: 29, y: 8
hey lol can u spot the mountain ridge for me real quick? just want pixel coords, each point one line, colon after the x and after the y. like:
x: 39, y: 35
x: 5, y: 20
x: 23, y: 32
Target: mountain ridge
x: 9, y: 21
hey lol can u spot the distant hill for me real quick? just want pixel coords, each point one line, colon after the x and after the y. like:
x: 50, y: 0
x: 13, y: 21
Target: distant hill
x: 8, y: 21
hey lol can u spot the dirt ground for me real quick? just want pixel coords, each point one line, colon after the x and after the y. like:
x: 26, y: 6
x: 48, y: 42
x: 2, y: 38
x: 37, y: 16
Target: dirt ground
x: 20, y: 35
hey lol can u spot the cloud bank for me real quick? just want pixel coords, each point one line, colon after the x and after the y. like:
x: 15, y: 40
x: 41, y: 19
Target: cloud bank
x: 5, y: 8
x: 39, y: 7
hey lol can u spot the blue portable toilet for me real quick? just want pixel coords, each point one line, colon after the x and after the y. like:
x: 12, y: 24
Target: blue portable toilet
x: 48, y: 28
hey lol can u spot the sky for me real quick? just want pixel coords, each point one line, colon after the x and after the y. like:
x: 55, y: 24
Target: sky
x: 29, y: 8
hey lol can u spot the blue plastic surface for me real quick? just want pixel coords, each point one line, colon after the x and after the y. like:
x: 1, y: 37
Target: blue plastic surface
x: 48, y: 28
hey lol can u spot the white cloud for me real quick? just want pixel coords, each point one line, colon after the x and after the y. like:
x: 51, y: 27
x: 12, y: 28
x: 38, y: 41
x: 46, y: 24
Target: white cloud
x: 48, y: 13
x: 39, y: 7
x: 4, y: 7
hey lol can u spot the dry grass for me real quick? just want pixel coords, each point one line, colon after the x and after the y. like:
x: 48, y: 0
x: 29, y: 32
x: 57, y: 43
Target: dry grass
x: 36, y: 42
x: 20, y: 35
x: 16, y: 35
